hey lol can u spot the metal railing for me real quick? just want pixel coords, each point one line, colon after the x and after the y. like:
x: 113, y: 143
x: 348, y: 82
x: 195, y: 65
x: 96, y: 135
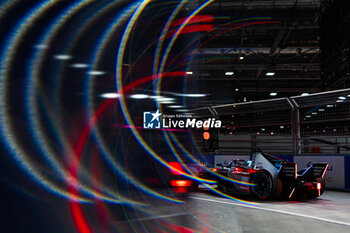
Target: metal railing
x: 313, y: 124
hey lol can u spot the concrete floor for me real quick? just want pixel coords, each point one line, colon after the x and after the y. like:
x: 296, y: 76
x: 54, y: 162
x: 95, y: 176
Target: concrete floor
x: 329, y: 213
x: 207, y: 212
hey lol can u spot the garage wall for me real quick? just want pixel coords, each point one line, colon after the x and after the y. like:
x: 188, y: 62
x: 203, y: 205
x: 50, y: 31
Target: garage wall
x: 245, y: 144
x: 347, y: 171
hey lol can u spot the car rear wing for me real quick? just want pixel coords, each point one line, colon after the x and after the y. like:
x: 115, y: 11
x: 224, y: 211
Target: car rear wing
x: 288, y: 170
x: 315, y: 170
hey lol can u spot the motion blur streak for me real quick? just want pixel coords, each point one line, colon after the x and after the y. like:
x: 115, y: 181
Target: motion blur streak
x: 37, y: 130
x: 159, y: 83
x: 13, y: 145
x: 56, y: 143
x: 32, y: 108
x: 195, y: 19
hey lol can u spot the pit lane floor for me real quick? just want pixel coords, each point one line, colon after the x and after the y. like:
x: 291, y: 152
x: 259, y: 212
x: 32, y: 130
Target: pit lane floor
x: 205, y: 211
x: 329, y: 213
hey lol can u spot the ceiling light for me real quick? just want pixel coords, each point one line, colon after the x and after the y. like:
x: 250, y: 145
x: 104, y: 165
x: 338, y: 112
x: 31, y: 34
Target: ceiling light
x: 175, y: 106
x: 330, y: 105
x: 110, y: 95
x: 96, y: 72
x: 314, y: 113
x: 340, y: 101
x: 165, y: 99
x: 189, y: 72
x: 349, y: 95
x: 282, y: 127
x: 305, y: 94
x: 80, y: 65
x: 139, y: 96
x: 307, y: 116
x: 181, y: 110
x: 41, y: 46
x: 156, y: 97
x: 273, y: 94
x: 270, y: 73
x: 236, y: 89
x: 241, y: 58
x: 229, y: 73
x: 321, y: 109
x: 62, y: 57
x: 167, y: 102
x: 192, y: 95
x: 262, y: 129
x: 341, y: 97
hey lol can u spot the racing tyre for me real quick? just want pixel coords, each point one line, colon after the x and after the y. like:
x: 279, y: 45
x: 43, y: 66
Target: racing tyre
x: 264, y: 185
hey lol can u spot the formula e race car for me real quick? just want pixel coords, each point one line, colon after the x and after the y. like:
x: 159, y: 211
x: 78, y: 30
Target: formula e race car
x: 271, y: 177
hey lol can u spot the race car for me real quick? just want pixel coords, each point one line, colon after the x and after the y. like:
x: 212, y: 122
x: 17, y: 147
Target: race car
x: 266, y: 177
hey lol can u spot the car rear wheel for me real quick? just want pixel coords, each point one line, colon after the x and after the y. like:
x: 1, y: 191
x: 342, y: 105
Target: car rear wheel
x: 264, y: 186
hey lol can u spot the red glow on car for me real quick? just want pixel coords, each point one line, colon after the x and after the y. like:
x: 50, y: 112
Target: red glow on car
x: 180, y: 183
x: 318, y: 186
x: 214, y: 169
x: 177, y: 166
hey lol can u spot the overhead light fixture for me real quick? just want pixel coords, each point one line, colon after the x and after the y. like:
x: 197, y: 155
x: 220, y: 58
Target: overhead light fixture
x: 139, y: 96
x: 305, y: 94
x: 270, y: 73
x: 314, y: 113
x: 189, y: 72
x: 273, y: 94
x: 330, y: 105
x: 241, y: 58
x: 165, y: 99
x: 236, y: 89
x: 340, y: 101
x: 181, y: 110
x: 282, y: 127
x: 80, y: 65
x: 96, y: 72
x: 349, y: 95
x: 321, y: 109
x: 307, y: 116
x: 192, y: 95
x: 262, y: 129
x: 229, y: 73
x: 167, y: 102
x: 110, y: 95
x: 156, y: 97
x: 175, y: 106
x: 341, y: 97
x: 41, y: 46
x: 62, y: 57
